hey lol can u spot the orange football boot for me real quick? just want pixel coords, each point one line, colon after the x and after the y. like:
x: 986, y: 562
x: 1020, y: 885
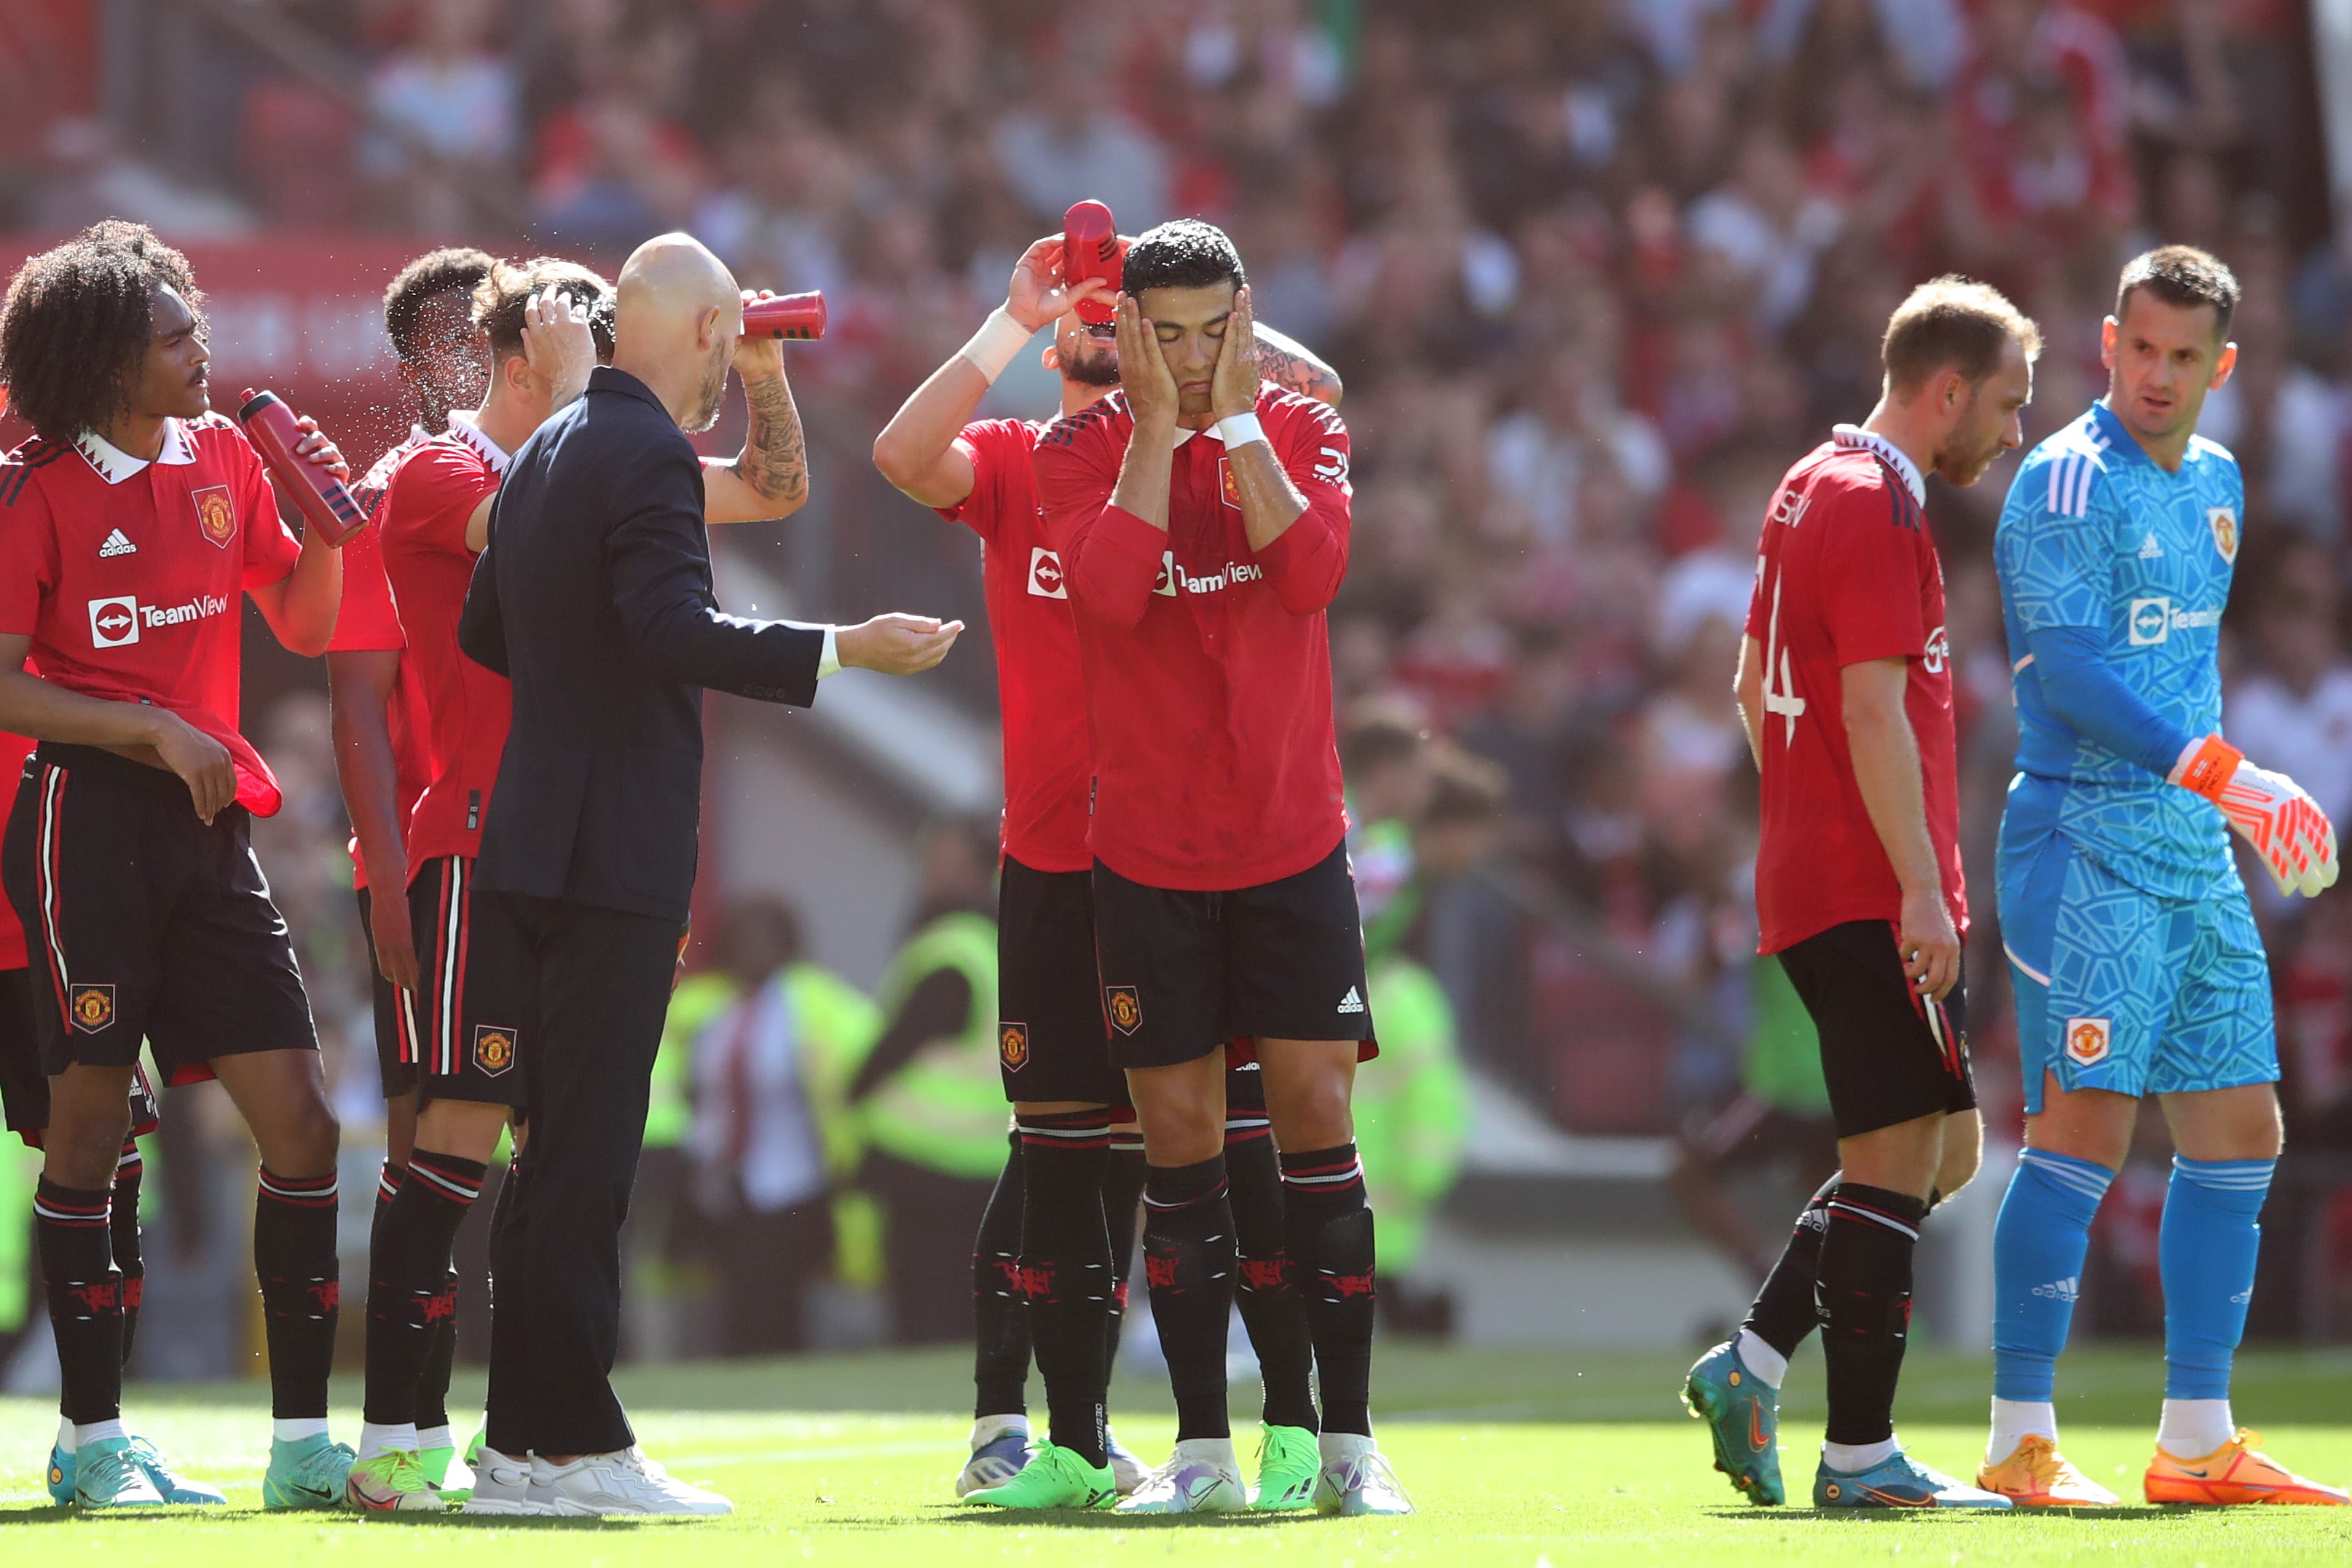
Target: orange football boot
x: 2038, y: 1476
x: 2236, y: 1472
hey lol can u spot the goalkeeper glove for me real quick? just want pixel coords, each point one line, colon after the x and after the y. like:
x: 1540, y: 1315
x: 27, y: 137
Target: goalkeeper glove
x: 2269, y: 811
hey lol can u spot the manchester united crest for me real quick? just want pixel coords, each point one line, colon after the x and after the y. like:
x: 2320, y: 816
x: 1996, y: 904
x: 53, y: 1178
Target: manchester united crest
x: 2088, y: 1040
x: 215, y: 514
x: 2223, y: 520
x: 494, y: 1049
x: 1126, y: 1009
x: 1012, y: 1046
x: 1227, y: 485
x: 92, y: 1007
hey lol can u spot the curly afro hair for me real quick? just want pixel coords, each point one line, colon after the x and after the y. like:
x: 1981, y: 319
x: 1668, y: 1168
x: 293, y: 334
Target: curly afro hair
x: 458, y: 270
x: 75, y: 328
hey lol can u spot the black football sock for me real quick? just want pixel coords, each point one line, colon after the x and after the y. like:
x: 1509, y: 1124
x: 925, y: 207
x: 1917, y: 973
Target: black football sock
x: 388, y: 1179
x: 440, y: 1361
x: 1066, y: 1273
x: 85, y: 1294
x: 301, y: 1291
x: 1782, y: 1313
x: 1122, y: 1191
x: 123, y: 1232
x: 1330, y: 1236
x: 1865, y: 1306
x: 1265, y: 1287
x: 1000, y: 1360
x: 410, y: 1298
x: 1188, y: 1264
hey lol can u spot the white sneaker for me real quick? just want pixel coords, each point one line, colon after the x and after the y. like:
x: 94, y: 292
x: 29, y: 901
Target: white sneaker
x: 1128, y: 1472
x: 1356, y: 1477
x: 1000, y: 1447
x: 1201, y: 1476
x: 621, y: 1482
x: 502, y: 1485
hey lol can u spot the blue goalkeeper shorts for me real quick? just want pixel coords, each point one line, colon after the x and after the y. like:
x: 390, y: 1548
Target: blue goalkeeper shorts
x: 2120, y: 990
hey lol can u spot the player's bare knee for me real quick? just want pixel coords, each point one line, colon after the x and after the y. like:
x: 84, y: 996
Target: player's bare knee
x: 80, y: 1150
x: 1316, y: 1115
x: 302, y: 1141
x: 1963, y: 1153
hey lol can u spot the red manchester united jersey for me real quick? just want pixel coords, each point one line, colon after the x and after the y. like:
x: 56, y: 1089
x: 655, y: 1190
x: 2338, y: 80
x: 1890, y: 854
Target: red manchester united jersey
x: 1847, y: 573
x: 14, y: 749
x: 1207, y: 663
x: 1042, y: 694
x: 128, y: 575
x: 466, y: 707
x: 369, y: 622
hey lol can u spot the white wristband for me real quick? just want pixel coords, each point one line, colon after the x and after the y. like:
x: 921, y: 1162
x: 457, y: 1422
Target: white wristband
x: 992, y: 346
x: 1239, y: 430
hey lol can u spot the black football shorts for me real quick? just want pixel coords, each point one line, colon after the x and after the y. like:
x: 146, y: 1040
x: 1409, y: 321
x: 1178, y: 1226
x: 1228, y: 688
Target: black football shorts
x: 1889, y: 1054
x: 395, y: 1012
x: 1183, y: 971
x: 474, y: 1006
x: 144, y: 922
x: 1050, y: 1041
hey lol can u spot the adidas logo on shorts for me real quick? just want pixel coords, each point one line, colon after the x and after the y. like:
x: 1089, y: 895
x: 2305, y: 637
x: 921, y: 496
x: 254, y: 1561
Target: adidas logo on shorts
x: 1351, y: 1002
x: 116, y: 545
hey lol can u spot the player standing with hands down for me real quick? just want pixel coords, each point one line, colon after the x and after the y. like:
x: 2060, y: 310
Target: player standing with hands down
x: 2137, y: 964
x: 1845, y: 689
x: 1201, y: 517
x: 1063, y: 1213
x: 130, y: 528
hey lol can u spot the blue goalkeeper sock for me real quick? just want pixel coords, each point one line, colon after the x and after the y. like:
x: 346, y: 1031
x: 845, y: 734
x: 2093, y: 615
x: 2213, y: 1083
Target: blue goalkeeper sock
x: 2206, y: 1253
x: 2037, y: 1246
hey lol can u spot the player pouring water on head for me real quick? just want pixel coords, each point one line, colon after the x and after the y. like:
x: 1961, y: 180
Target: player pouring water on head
x: 2139, y: 967
x: 1845, y: 688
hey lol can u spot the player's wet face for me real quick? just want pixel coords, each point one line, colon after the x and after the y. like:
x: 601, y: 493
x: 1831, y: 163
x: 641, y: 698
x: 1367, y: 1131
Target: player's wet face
x: 1191, y: 326
x: 2162, y: 359
x: 172, y: 378
x: 1083, y: 357
x: 713, y: 393
x: 449, y: 366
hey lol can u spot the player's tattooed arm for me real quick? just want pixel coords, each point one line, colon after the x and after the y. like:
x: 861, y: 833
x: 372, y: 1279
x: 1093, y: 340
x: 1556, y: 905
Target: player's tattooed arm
x: 1287, y: 363
x: 769, y: 479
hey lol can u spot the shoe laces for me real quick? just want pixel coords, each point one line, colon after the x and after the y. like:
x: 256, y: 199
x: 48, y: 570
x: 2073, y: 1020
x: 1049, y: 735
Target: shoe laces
x: 1366, y: 1472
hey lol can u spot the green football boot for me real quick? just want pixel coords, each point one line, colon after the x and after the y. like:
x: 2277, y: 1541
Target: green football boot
x: 308, y: 1472
x: 391, y: 1482
x: 107, y: 1474
x: 1287, y: 1463
x: 1053, y: 1478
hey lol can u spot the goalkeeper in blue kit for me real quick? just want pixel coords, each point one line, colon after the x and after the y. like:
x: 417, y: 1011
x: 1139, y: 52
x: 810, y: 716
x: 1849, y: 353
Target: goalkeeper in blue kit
x: 2137, y: 967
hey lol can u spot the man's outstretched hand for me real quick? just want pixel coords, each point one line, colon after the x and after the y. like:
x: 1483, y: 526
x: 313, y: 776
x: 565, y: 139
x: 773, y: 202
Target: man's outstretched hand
x: 895, y: 645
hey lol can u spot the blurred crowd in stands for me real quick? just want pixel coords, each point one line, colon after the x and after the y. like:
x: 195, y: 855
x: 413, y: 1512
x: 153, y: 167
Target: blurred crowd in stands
x: 1595, y: 273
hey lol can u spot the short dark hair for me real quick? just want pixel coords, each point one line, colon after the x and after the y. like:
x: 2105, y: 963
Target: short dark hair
x: 499, y: 301
x: 1465, y: 787
x: 1184, y: 254
x: 1380, y: 731
x: 2184, y: 276
x: 75, y: 328
x: 459, y: 271
x: 1957, y: 323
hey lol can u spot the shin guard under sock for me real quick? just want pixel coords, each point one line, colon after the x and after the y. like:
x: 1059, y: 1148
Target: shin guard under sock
x: 130, y: 1166
x: 1866, y: 1307
x: 410, y: 1298
x: 1065, y: 1272
x: 2206, y: 1251
x: 440, y: 1361
x: 2039, y: 1243
x: 1188, y: 1262
x: 1329, y: 1231
x: 1266, y: 1283
x: 85, y: 1295
x: 1782, y: 1313
x: 1122, y: 1190
x: 1000, y: 1360
x: 301, y: 1293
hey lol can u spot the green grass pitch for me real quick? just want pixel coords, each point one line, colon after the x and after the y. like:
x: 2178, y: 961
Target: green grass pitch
x: 1515, y: 1457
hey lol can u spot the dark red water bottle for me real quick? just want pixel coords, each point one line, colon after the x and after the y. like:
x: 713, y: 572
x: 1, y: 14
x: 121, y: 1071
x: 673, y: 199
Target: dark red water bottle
x: 795, y: 318
x: 1090, y: 249
x: 321, y: 498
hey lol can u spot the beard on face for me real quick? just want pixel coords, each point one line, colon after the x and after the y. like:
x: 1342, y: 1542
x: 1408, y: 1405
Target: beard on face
x: 713, y: 393
x: 1089, y: 369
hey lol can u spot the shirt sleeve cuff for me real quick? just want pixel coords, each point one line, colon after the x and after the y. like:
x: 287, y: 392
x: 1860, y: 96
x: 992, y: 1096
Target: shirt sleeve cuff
x: 829, y: 661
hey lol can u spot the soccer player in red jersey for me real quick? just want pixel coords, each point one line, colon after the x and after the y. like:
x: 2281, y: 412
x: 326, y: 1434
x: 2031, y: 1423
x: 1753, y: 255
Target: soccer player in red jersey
x: 1060, y: 1225
x: 376, y: 709
x: 129, y: 529
x: 1201, y: 518
x: 468, y: 1012
x: 1845, y: 688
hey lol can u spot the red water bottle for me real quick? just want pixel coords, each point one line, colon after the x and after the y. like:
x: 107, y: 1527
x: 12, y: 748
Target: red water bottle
x: 794, y: 317
x: 1091, y: 248
x: 321, y: 498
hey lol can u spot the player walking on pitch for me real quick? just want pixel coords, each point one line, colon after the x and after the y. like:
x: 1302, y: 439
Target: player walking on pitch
x: 2137, y: 964
x: 1201, y: 518
x: 1845, y: 688
x: 1067, y: 1183
x: 135, y: 524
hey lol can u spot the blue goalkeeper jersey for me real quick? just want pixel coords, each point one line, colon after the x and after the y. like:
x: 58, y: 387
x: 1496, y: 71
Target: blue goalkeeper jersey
x: 2096, y: 535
